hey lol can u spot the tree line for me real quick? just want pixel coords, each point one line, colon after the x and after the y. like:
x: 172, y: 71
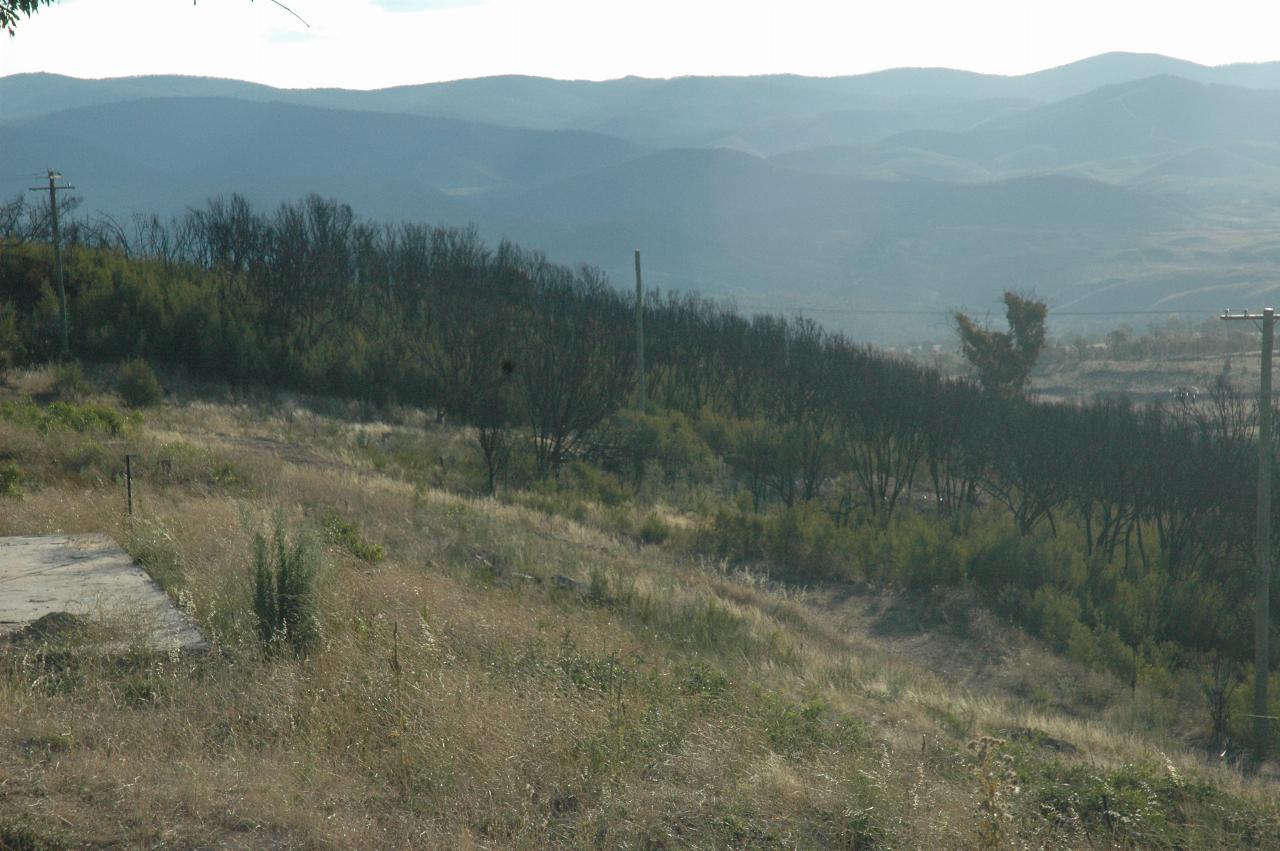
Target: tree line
x: 539, y: 359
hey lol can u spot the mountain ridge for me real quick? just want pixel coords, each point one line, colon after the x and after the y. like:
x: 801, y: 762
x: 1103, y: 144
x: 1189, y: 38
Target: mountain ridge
x: 443, y: 97
x: 851, y: 190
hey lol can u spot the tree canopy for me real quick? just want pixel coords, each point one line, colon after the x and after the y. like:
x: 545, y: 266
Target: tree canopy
x: 11, y: 10
x: 1003, y: 359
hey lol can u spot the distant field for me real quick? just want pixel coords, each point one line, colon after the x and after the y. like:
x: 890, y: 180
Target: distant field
x: 1144, y: 380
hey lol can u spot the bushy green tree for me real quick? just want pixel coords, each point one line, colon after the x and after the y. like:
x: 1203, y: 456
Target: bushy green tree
x: 1004, y: 359
x: 138, y: 385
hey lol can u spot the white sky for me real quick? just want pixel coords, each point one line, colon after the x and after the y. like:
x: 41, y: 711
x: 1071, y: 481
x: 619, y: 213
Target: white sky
x: 374, y: 43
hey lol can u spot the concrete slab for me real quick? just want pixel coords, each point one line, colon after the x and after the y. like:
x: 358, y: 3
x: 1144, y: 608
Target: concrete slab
x: 91, y: 577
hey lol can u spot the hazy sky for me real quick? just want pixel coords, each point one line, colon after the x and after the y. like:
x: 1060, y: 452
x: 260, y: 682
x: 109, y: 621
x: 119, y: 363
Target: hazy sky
x: 373, y: 43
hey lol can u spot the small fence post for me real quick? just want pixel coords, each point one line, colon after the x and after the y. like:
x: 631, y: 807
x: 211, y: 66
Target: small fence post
x: 128, y: 479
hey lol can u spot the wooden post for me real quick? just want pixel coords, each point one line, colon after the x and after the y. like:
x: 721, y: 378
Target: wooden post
x: 128, y: 480
x: 640, y: 334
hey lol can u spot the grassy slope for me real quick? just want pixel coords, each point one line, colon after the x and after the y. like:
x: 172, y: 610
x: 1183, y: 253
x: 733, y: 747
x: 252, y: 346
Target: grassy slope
x: 663, y: 704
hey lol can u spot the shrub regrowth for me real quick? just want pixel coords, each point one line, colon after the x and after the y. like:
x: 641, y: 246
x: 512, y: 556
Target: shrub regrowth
x: 138, y: 385
x: 345, y: 534
x: 283, y: 591
x: 69, y: 383
x: 10, y: 479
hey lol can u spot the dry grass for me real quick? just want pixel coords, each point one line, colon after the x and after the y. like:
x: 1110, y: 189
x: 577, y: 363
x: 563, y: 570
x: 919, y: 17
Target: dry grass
x: 1148, y: 380
x: 666, y: 704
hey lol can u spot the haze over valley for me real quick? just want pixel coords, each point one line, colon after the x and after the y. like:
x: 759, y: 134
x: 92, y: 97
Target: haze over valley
x: 1125, y: 182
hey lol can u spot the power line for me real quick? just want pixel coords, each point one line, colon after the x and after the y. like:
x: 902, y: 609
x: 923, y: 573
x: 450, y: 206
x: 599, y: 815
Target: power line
x: 872, y: 311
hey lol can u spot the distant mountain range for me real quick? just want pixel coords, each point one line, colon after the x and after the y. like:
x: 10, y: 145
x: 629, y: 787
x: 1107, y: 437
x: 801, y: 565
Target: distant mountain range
x: 1122, y: 182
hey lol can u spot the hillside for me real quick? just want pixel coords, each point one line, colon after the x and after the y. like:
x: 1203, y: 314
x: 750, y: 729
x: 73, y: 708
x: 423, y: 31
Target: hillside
x: 160, y: 154
x: 728, y: 224
x: 848, y: 127
x: 1113, y: 126
x: 844, y: 197
x: 463, y: 696
x: 714, y: 221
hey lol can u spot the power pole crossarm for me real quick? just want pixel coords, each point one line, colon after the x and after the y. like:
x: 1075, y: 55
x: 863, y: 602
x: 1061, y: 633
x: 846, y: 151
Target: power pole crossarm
x: 52, y: 189
x: 1262, y: 601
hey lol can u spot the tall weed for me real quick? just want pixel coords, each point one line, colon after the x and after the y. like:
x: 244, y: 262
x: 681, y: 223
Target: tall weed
x: 283, y: 592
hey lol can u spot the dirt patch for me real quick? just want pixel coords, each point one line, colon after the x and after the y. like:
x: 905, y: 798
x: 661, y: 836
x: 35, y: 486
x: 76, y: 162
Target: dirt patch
x: 1039, y: 738
x: 287, y: 451
x: 55, y: 626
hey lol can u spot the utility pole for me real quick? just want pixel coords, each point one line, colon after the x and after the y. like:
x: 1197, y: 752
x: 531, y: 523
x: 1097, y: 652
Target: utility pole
x: 1262, y: 595
x: 640, y: 331
x: 52, y: 189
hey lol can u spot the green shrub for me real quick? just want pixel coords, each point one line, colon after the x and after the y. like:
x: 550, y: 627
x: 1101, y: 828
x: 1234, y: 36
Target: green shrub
x: 652, y: 530
x: 627, y: 444
x: 925, y: 553
x: 138, y: 385
x: 22, y: 833
x: 69, y: 383
x: 1082, y: 646
x: 737, y: 536
x: 81, y: 418
x: 1007, y: 558
x: 599, y: 587
x: 84, y: 418
x: 795, y: 729
x: 1240, y: 721
x: 10, y: 340
x: 10, y: 479
x: 590, y: 482
x: 682, y: 452
x: 283, y: 592
x: 631, y: 444
x: 1104, y: 649
x: 1139, y: 806
x: 1053, y: 616
x: 802, y: 543
x: 703, y: 679
x: 791, y: 728
x: 346, y: 535
x: 1002, y: 556
x: 797, y: 543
